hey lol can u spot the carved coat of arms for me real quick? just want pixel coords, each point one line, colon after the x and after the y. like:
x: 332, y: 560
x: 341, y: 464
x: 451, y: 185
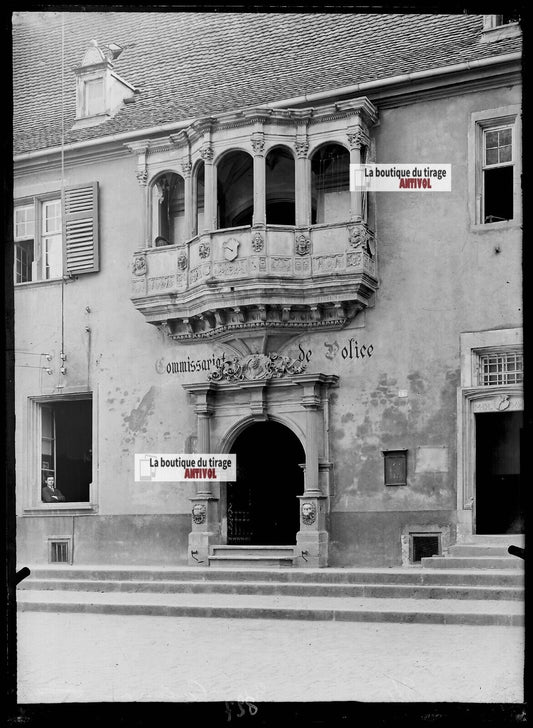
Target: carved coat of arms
x: 231, y: 248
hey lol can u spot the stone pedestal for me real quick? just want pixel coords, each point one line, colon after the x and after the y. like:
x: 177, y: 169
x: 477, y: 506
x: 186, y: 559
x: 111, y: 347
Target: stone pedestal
x: 312, y: 540
x: 205, y: 529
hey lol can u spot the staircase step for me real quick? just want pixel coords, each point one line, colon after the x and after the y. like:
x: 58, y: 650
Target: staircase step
x: 390, y: 576
x: 506, y: 539
x: 478, y: 549
x: 244, y: 561
x: 403, y: 591
x: 248, y: 551
x: 472, y: 562
x: 361, y: 609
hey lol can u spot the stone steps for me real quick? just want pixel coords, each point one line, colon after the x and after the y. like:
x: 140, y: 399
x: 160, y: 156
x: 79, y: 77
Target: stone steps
x: 473, y: 562
x: 401, y: 591
x: 244, y: 557
x: 395, y: 575
x: 360, y: 609
x: 400, y: 594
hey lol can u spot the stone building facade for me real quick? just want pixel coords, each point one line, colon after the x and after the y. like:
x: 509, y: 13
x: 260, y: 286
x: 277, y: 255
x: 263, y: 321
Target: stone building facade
x: 193, y: 274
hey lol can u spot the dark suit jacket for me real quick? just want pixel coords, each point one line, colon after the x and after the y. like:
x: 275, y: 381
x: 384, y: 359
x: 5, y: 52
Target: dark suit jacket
x: 50, y: 495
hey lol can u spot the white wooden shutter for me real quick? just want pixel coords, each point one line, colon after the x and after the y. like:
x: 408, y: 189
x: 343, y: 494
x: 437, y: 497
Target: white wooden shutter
x: 80, y: 205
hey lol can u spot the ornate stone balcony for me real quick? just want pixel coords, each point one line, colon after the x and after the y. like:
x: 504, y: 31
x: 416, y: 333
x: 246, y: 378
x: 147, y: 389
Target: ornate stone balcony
x: 261, y: 280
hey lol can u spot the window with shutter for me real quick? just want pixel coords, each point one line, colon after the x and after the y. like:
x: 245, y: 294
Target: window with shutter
x: 81, y: 229
x: 56, y: 236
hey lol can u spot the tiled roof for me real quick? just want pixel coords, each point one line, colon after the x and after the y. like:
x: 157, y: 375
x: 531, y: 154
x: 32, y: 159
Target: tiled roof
x: 195, y: 64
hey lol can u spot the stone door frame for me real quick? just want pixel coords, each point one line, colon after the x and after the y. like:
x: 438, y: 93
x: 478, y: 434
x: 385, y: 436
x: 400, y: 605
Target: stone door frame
x: 224, y: 409
x: 470, y: 402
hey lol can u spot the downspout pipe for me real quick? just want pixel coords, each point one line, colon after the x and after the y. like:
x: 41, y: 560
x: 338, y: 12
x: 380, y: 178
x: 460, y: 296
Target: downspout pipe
x: 358, y: 88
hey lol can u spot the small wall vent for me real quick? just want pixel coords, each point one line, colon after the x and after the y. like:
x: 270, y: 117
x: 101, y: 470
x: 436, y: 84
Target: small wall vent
x: 424, y: 545
x: 60, y: 550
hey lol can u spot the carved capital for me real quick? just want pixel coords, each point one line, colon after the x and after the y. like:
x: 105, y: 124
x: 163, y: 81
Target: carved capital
x: 207, y: 153
x: 142, y: 176
x: 258, y: 144
x: 301, y: 147
x: 358, y: 138
x: 186, y: 168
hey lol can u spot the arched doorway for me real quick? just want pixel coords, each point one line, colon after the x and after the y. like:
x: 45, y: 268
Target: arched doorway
x: 262, y: 505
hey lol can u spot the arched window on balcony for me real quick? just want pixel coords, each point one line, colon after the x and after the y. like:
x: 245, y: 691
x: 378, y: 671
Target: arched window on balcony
x: 235, y: 185
x: 280, y: 198
x: 330, y: 184
x: 168, y: 209
x: 198, y: 192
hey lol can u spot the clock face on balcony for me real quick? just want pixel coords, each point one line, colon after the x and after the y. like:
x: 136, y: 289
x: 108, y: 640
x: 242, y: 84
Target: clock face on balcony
x: 231, y: 248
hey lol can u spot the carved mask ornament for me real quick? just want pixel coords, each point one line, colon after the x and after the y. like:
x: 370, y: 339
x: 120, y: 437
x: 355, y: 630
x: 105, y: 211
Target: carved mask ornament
x: 198, y: 513
x: 308, y: 513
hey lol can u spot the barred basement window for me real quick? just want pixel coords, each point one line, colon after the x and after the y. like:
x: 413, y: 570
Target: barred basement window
x: 501, y: 368
x: 60, y: 550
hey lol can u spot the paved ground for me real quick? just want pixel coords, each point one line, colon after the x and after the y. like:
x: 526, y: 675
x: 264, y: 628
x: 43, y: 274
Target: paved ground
x: 75, y: 657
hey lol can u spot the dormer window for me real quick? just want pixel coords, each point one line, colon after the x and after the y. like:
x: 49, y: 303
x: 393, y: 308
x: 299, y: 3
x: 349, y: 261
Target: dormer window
x: 101, y: 92
x: 499, y: 27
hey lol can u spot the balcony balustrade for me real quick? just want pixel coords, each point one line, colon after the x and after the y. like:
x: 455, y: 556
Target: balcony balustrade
x: 270, y: 278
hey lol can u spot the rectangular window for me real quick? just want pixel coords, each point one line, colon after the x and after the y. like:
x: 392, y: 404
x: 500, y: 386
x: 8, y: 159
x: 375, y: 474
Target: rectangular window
x: 66, y: 450
x: 501, y: 368
x: 498, y: 174
x: 395, y: 467
x: 56, y: 236
x: 52, y: 249
x: 495, y: 167
x: 94, y: 97
x: 24, y: 228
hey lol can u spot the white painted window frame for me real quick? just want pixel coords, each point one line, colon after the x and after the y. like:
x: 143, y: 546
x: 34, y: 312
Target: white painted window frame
x: 480, y: 122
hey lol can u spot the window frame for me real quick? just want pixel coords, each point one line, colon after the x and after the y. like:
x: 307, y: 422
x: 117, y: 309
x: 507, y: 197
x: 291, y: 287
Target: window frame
x: 38, y: 264
x: 480, y: 124
x: 33, y: 505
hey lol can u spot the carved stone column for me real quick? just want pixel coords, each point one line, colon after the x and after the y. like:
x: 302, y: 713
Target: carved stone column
x: 205, y: 513
x: 186, y: 168
x: 357, y: 138
x: 258, y: 146
x: 312, y: 539
x: 210, y: 188
x: 302, y: 183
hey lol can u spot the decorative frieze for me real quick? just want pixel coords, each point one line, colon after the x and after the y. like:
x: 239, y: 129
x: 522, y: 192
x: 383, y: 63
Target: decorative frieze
x: 256, y: 367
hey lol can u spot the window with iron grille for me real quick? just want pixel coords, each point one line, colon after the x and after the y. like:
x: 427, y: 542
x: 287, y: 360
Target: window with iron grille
x: 60, y: 550
x: 499, y: 368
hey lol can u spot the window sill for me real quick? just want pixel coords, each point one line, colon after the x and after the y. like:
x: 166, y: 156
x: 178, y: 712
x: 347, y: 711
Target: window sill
x: 61, y: 509
x: 496, y: 226
x: 31, y: 284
